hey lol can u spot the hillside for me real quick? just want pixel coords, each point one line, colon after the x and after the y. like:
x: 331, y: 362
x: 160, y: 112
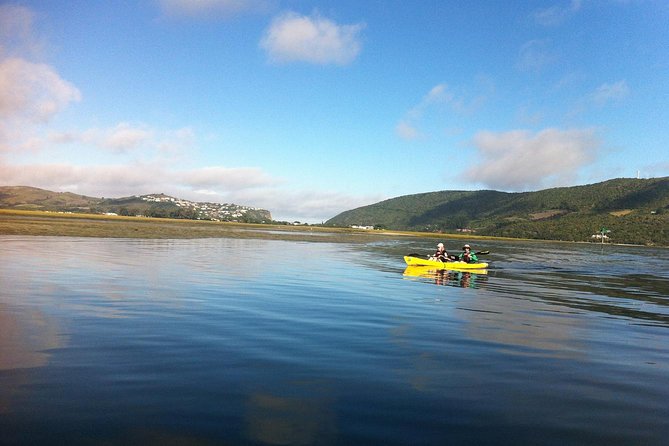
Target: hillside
x: 635, y: 210
x: 153, y: 205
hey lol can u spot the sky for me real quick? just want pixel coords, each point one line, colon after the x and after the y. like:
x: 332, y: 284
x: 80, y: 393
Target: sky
x: 311, y: 108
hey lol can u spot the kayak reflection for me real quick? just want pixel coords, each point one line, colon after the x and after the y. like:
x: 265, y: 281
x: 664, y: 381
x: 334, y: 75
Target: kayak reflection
x: 464, y: 279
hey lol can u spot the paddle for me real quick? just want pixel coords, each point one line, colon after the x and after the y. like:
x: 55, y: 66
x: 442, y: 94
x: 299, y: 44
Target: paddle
x: 413, y: 254
x: 478, y: 253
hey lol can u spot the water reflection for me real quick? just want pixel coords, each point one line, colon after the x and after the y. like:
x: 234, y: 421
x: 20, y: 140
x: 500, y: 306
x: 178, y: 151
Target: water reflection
x: 26, y: 336
x: 205, y: 341
x: 522, y: 327
x: 640, y: 298
x: 614, y: 281
x: 462, y: 279
x: 279, y: 419
x: 75, y: 274
x: 147, y: 437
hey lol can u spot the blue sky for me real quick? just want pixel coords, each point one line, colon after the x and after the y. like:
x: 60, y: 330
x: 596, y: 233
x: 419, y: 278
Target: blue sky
x: 309, y: 109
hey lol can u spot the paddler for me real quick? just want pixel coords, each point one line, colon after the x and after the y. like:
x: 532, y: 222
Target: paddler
x: 467, y: 255
x: 440, y: 253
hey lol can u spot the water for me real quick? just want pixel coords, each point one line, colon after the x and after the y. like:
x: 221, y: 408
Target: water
x: 265, y: 342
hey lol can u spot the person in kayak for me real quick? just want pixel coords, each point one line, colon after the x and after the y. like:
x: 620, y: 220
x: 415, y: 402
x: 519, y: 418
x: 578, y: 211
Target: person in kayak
x: 440, y: 253
x: 467, y: 255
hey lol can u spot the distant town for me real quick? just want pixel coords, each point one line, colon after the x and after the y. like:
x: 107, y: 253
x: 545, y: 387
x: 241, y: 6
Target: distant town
x: 205, y: 210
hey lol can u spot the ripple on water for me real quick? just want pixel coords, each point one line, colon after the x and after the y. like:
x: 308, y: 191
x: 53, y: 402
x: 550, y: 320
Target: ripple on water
x: 272, y: 342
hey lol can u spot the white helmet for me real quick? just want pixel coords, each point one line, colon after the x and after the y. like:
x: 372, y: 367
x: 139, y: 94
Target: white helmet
x: 440, y: 245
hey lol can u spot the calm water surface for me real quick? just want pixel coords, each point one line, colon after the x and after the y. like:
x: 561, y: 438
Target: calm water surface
x: 264, y: 342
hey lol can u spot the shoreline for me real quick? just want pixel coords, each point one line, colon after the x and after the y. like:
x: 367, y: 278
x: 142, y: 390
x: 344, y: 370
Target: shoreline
x: 44, y: 223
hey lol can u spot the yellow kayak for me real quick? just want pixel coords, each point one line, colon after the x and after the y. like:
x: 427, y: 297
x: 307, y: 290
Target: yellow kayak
x: 430, y: 272
x: 456, y: 265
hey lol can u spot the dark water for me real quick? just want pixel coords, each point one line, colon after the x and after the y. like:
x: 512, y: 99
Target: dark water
x: 229, y: 341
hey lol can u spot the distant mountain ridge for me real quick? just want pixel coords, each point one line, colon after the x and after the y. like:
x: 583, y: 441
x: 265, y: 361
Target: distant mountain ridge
x: 634, y: 210
x: 151, y: 205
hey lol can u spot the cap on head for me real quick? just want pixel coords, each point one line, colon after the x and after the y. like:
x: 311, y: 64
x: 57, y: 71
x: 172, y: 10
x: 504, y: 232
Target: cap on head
x: 466, y: 247
x: 440, y: 245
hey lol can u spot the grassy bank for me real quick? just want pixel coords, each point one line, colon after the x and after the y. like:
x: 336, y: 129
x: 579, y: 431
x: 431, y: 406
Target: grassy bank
x: 41, y: 223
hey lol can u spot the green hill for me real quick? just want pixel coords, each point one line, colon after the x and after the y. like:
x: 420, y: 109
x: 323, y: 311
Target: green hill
x: 153, y: 205
x: 32, y: 198
x: 635, y: 210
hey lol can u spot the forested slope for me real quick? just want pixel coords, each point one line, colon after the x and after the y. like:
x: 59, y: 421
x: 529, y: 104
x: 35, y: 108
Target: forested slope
x: 634, y: 210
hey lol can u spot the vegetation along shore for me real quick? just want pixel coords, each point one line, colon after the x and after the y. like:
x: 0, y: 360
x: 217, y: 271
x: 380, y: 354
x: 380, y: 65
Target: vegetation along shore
x: 622, y: 211
x: 42, y: 223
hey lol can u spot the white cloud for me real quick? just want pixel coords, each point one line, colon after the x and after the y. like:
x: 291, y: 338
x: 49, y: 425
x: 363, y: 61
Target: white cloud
x: 656, y: 169
x: 439, y: 93
x: 441, y: 97
x: 249, y: 186
x: 315, y: 207
x: 406, y: 131
x: 305, y: 206
x: 610, y: 92
x: 88, y: 180
x: 522, y: 160
x: 211, y: 8
x: 33, y: 92
x: 602, y: 96
x: 30, y: 93
x: 535, y: 56
x: 557, y: 14
x: 225, y: 178
x: 134, y: 178
x: 292, y: 37
x: 16, y: 31
x: 126, y: 138
x: 178, y: 141
x: 528, y: 116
